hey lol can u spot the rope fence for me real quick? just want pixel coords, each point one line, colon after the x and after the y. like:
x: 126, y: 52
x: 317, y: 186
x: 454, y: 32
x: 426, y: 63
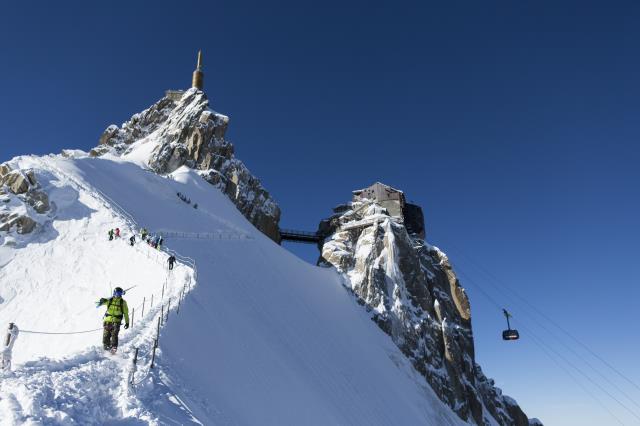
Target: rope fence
x: 53, y: 332
x: 159, y: 255
x: 163, y: 317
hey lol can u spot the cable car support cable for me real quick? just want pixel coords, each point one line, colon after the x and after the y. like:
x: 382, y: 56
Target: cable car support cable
x: 503, y: 286
x: 539, y: 342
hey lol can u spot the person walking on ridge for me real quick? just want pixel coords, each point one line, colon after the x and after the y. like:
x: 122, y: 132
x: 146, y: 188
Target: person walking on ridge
x: 171, y: 260
x: 110, y: 234
x: 132, y: 240
x: 117, y: 232
x: 117, y: 309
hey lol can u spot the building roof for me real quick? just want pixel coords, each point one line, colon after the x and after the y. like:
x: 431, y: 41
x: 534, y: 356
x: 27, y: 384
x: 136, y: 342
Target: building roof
x: 387, y: 187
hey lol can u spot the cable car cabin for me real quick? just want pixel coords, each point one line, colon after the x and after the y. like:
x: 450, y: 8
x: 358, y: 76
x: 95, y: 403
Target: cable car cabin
x: 510, y: 334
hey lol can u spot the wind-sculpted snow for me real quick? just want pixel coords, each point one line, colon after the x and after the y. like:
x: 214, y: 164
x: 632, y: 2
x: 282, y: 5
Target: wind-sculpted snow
x: 261, y: 338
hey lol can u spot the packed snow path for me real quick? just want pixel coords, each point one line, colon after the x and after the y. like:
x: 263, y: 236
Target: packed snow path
x: 262, y: 338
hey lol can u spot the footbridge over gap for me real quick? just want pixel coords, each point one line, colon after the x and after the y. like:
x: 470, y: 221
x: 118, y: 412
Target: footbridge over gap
x: 300, y: 236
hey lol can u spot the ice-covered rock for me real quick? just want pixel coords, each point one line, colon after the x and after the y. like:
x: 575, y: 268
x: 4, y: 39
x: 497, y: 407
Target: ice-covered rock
x: 186, y: 132
x: 415, y: 296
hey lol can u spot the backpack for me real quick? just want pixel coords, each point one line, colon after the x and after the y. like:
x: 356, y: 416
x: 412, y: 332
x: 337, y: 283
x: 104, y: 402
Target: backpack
x: 118, y: 317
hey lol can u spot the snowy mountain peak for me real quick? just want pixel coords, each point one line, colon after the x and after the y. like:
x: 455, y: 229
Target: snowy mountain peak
x: 184, y: 131
x: 412, y: 292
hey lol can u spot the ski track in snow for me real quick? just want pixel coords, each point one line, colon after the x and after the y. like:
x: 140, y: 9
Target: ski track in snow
x: 263, y: 338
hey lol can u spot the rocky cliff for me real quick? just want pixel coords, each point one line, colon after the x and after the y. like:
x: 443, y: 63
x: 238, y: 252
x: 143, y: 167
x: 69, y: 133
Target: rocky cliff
x: 184, y: 131
x: 414, y: 295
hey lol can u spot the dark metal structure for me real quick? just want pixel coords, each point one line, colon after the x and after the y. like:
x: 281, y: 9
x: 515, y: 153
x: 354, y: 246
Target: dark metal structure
x: 509, y: 333
x: 300, y: 236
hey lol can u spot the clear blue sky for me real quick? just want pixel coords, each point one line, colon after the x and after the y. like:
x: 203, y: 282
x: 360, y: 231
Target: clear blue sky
x: 514, y: 124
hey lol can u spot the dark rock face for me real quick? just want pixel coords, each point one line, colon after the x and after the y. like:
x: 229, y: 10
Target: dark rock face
x: 187, y: 133
x: 414, y: 296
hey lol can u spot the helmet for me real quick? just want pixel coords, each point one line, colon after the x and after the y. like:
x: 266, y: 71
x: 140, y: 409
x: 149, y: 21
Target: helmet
x: 118, y: 292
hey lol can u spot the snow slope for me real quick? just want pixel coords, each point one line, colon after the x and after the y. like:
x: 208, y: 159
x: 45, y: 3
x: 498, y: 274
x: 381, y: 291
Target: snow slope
x: 262, y: 338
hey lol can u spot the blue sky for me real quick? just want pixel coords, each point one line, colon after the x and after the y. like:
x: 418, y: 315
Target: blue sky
x: 514, y: 125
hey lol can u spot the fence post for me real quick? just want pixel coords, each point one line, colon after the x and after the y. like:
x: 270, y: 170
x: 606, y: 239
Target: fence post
x: 168, y: 310
x: 163, y: 284
x: 155, y: 345
x: 162, y: 315
x: 12, y: 334
x: 134, y: 367
x: 151, y: 300
x: 143, y: 300
x: 182, y: 293
x: 133, y: 314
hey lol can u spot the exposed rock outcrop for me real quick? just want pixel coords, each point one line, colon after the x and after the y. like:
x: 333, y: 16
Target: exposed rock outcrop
x: 187, y: 133
x: 20, y: 189
x: 23, y: 224
x: 17, y: 182
x: 414, y: 295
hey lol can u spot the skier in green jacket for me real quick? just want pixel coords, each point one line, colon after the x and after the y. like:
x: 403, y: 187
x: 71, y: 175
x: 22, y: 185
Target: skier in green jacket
x: 117, y: 309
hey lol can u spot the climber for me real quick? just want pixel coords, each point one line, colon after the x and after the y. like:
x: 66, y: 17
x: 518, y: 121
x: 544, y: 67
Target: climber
x: 117, y: 232
x: 132, y: 240
x: 110, y: 234
x: 171, y: 261
x: 160, y: 241
x: 117, y: 309
x: 144, y: 233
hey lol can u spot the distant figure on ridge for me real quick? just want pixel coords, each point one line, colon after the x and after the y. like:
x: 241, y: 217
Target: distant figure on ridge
x: 171, y: 261
x: 144, y: 234
x: 117, y: 309
x: 160, y: 241
x: 132, y: 240
x: 117, y: 232
x: 110, y: 234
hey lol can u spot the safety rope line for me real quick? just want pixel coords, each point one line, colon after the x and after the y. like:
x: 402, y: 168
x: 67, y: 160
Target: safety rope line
x: 54, y: 332
x: 133, y: 224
